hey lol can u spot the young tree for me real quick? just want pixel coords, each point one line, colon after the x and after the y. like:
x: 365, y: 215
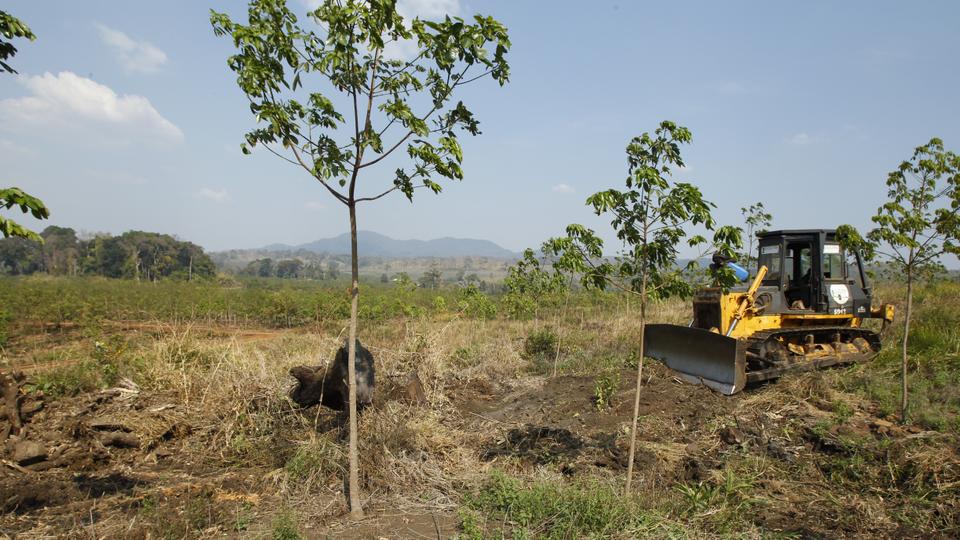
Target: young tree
x: 289, y: 268
x: 757, y: 219
x: 529, y: 285
x: 292, y: 74
x: 918, y: 225
x: 432, y: 278
x: 650, y: 217
x: 10, y: 28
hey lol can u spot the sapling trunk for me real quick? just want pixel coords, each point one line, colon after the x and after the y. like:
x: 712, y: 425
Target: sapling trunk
x: 636, y: 397
x: 560, y: 321
x: 356, y: 511
x: 903, y: 360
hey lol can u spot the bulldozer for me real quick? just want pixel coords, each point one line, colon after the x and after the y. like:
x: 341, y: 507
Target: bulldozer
x: 803, y: 310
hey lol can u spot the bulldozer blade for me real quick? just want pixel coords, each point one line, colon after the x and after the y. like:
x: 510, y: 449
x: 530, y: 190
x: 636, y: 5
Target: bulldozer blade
x: 699, y: 356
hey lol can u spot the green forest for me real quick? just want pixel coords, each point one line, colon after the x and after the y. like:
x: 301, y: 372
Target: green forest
x: 143, y: 256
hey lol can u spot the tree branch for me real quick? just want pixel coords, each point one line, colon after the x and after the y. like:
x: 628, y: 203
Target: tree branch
x: 409, y: 133
x: 366, y: 126
x: 332, y: 191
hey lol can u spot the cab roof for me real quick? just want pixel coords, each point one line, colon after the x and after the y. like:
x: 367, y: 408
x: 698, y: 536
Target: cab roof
x: 795, y: 232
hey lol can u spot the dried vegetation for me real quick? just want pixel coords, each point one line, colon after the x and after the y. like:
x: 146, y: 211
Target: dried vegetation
x: 185, y: 430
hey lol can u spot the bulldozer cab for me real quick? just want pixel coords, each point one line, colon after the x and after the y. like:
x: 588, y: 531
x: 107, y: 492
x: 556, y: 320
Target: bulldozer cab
x: 809, y: 272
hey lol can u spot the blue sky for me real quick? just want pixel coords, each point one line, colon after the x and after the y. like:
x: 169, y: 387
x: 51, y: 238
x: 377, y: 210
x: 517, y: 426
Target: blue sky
x: 126, y: 117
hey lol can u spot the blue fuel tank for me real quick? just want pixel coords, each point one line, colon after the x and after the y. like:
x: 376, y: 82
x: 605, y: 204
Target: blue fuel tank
x: 739, y: 271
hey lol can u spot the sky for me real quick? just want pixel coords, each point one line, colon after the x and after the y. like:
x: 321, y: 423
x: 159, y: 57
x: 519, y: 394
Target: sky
x: 125, y: 116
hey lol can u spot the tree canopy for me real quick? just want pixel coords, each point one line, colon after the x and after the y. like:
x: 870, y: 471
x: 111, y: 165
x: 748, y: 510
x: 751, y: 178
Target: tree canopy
x: 296, y: 77
x: 133, y: 255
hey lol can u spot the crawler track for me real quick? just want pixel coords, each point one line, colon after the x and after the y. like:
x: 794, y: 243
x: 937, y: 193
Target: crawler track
x: 774, y: 353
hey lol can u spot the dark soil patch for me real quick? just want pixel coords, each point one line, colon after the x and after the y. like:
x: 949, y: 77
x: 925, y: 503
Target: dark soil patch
x: 537, y: 444
x: 98, y: 486
x: 24, y: 495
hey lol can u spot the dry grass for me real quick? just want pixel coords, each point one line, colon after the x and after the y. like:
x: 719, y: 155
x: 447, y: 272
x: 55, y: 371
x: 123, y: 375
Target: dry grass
x: 801, y: 451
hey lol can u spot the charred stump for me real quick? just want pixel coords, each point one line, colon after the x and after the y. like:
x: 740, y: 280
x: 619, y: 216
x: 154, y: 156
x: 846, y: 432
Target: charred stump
x: 327, y: 384
x: 10, y: 388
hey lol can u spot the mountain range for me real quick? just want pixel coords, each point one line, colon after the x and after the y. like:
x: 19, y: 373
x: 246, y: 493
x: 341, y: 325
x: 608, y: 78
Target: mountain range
x: 371, y: 244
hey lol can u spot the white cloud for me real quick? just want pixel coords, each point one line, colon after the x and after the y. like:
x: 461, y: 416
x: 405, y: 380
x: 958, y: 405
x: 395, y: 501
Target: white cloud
x: 803, y: 139
x: 215, y: 195
x: 67, y: 101
x: 136, y: 56
x: 314, y: 205
x: 562, y: 188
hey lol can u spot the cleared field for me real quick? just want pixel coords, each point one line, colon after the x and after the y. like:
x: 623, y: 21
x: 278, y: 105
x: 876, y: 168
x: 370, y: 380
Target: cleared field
x: 164, y: 414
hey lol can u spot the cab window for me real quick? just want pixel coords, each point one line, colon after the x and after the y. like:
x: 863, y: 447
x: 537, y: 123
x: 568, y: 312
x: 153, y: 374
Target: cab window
x: 833, y: 262
x: 770, y: 257
x: 798, y: 260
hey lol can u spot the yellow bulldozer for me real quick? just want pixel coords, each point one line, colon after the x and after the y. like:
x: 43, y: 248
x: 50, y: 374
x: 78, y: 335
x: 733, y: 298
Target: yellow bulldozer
x: 803, y: 310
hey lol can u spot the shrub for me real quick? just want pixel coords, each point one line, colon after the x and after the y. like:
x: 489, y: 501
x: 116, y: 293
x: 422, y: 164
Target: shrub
x: 605, y: 388
x: 285, y: 526
x: 472, y: 302
x: 540, y: 343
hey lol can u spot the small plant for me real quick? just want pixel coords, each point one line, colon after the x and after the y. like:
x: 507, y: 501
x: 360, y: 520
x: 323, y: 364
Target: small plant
x: 472, y: 302
x: 605, y: 387
x: 285, y: 526
x: 698, y: 497
x: 540, y: 343
x: 729, y: 495
x: 244, y: 516
x: 822, y: 429
x: 464, y: 357
x: 842, y: 411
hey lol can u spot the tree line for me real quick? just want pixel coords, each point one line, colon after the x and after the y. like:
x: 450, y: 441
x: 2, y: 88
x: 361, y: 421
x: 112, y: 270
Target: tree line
x: 135, y: 255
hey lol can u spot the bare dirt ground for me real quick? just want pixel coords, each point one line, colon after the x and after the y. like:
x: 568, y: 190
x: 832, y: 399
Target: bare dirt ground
x: 168, y: 461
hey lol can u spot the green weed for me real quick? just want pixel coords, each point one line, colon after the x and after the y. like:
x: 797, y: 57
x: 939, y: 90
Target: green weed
x: 540, y: 343
x: 604, y: 388
x: 285, y: 526
x: 506, y: 507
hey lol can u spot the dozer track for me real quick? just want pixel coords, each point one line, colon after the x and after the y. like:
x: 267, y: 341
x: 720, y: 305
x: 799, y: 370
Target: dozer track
x: 773, y: 353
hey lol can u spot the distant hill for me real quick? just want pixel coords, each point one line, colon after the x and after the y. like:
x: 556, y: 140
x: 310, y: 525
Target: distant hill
x: 373, y: 244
